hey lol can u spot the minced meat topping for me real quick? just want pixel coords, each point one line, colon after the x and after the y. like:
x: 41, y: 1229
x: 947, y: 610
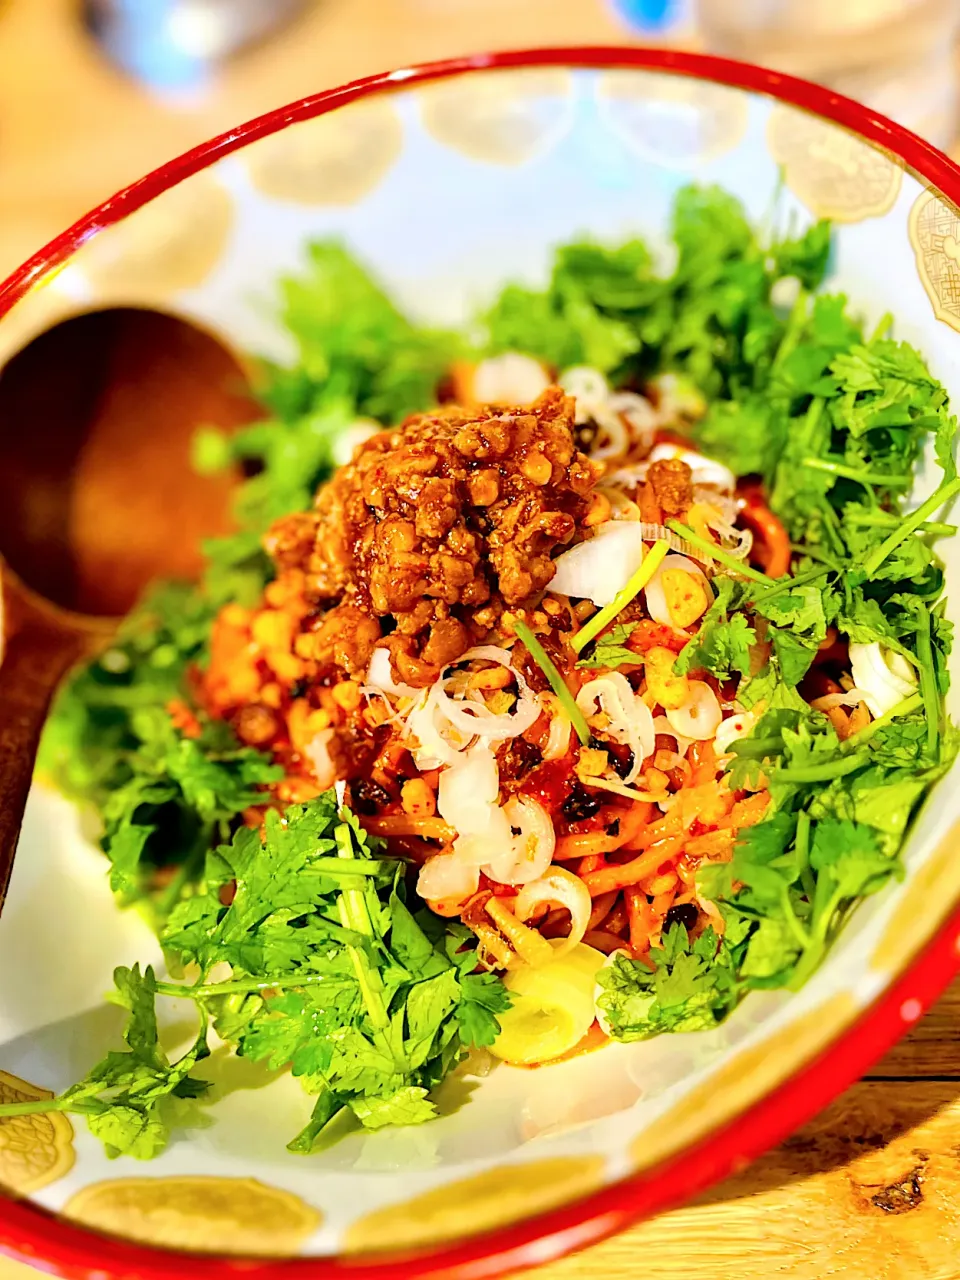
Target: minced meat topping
x: 432, y: 530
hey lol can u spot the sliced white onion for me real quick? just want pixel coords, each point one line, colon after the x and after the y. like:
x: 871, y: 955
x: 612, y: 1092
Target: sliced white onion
x: 558, y: 887
x: 613, y: 437
x: 317, y: 752
x: 662, y: 725
x: 600, y: 567
x: 526, y: 856
x: 882, y: 675
x: 700, y: 716
x: 471, y: 715
x: 703, y: 470
x: 734, y: 727
x: 631, y: 721
x: 623, y: 418
x: 589, y: 389
x: 725, y: 503
x: 642, y: 419
x: 510, y: 378
x: 467, y: 790
x: 654, y: 594
x: 436, y: 740
x: 736, y: 542
x: 380, y: 676
x: 447, y: 880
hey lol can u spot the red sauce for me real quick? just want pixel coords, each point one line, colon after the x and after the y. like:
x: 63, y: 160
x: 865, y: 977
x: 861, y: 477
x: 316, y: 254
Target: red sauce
x: 549, y: 783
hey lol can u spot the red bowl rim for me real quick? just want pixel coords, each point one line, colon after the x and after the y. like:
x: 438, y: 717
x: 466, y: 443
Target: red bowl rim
x: 34, y: 1236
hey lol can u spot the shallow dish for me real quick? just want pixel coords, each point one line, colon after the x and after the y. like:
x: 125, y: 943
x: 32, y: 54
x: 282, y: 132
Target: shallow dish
x: 449, y: 180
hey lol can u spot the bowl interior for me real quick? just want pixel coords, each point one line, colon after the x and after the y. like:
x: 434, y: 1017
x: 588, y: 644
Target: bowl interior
x: 446, y: 191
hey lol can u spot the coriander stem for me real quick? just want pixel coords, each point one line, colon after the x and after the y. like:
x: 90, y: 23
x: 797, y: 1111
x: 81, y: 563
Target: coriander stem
x: 803, y: 854
x: 650, y: 563
x: 554, y: 678
x: 338, y: 868
x: 854, y: 473
x: 788, y: 583
x: 792, y: 329
x: 928, y: 681
x: 942, y: 494
x: 884, y: 325
x: 722, y: 557
x: 33, y: 1107
x: 826, y: 772
x: 888, y: 520
x: 189, y: 868
x: 793, y: 924
x: 209, y: 990
x: 352, y: 907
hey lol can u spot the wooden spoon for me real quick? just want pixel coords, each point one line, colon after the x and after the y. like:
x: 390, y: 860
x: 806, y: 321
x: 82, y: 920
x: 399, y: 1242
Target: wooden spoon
x: 97, y: 498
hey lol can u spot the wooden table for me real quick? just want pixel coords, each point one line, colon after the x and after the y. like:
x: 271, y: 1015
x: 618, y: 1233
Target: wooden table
x: 871, y: 1189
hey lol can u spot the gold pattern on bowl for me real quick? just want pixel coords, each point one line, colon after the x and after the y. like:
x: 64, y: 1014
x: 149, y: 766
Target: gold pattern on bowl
x: 926, y: 901
x: 35, y: 1150
x: 833, y: 172
x: 210, y: 1215
x: 934, y: 231
x: 744, y: 1078
x: 505, y: 118
x: 336, y: 159
x: 673, y: 120
x: 171, y: 244
x: 479, y: 1203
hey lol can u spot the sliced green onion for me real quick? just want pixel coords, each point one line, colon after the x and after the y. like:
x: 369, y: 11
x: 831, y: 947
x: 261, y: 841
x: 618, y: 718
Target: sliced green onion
x: 722, y: 557
x: 554, y: 678
x: 638, y: 580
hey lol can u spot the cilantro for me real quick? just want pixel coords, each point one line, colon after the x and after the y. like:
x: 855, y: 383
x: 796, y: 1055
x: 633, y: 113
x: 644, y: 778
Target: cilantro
x: 691, y: 987
x: 722, y: 644
x: 610, y: 649
x: 331, y: 974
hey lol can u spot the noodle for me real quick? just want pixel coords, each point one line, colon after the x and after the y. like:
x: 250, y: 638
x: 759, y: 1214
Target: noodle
x: 402, y: 824
x: 627, y: 873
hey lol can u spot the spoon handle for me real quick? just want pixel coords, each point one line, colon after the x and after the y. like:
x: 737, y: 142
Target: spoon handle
x: 39, y: 650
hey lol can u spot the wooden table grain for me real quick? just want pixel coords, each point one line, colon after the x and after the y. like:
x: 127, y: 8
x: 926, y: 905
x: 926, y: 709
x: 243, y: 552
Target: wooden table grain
x: 870, y: 1190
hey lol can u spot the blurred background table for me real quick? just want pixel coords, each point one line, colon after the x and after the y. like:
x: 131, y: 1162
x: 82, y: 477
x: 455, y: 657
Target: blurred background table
x: 871, y: 1189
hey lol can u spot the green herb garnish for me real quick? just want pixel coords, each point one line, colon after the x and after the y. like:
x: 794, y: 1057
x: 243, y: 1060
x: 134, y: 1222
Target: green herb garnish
x: 651, y: 562
x: 554, y: 679
x: 369, y: 1005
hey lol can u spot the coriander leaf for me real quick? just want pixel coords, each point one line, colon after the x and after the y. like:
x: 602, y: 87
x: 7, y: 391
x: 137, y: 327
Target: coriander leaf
x: 482, y: 997
x: 690, y: 988
x: 773, y: 949
x: 610, y: 649
x: 408, y: 1105
x: 719, y: 647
